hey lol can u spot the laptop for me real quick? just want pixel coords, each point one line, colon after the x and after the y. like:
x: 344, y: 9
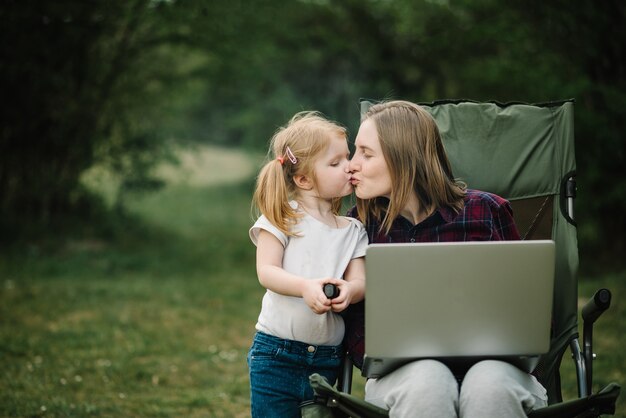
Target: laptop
x: 458, y: 302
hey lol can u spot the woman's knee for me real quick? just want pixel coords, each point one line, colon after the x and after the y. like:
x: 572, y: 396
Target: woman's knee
x: 427, y: 372
x: 431, y: 381
x: 422, y: 388
x: 499, y: 385
x: 493, y: 373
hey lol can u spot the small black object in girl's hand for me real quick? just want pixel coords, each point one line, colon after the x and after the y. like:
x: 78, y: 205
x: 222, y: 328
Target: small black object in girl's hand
x: 331, y: 291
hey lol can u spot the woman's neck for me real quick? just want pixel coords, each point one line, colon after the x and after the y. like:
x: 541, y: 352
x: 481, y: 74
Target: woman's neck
x: 414, y: 212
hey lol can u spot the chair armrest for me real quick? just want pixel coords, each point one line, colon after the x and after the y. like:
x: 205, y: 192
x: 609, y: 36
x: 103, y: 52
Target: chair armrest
x: 599, y: 303
x: 592, y: 310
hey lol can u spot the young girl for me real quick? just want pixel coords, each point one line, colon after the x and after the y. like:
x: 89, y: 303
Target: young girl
x: 302, y: 245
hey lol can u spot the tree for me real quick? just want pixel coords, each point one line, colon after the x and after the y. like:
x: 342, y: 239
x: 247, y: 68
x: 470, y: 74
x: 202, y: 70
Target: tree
x: 80, y: 81
x: 100, y: 82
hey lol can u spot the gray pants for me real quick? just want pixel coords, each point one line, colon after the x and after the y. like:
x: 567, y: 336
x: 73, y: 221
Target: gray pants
x: 427, y: 388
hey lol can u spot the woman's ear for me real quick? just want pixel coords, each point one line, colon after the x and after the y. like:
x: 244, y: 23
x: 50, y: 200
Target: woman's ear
x: 303, y: 182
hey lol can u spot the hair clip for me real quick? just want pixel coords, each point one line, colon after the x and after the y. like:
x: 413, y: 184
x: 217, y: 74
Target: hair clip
x: 291, y: 157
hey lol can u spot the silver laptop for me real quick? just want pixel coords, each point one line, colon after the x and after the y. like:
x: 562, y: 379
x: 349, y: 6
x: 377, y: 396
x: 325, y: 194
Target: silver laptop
x: 459, y: 302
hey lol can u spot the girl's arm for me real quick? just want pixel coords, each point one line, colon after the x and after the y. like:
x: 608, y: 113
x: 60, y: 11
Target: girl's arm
x: 269, y: 267
x: 352, y: 289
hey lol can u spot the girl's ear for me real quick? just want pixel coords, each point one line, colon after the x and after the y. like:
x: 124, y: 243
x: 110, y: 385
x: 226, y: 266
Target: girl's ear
x: 303, y: 182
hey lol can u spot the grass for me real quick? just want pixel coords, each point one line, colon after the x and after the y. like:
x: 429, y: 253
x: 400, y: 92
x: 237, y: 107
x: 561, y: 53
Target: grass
x: 154, y: 328
x: 156, y: 321
x: 153, y: 323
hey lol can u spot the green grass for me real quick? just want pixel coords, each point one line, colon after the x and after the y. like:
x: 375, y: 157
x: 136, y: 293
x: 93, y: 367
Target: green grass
x: 156, y: 320
x: 155, y: 323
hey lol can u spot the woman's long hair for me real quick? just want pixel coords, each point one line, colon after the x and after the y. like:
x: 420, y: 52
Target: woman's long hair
x: 417, y: 162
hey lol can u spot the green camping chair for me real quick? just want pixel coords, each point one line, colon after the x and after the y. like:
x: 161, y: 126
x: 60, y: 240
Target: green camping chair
x: 524, y: 153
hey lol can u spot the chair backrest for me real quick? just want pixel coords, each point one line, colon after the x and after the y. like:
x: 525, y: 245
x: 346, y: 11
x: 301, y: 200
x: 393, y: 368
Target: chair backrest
x: 524, y: 153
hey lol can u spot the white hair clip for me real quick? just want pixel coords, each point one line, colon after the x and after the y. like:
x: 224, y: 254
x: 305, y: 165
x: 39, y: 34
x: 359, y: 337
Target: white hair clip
x: 290, y: 155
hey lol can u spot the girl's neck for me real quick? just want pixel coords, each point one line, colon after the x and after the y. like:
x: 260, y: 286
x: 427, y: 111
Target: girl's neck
x: 320, y: 209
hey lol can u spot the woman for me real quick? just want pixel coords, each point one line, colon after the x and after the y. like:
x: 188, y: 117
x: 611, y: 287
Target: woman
x: 406, y: 193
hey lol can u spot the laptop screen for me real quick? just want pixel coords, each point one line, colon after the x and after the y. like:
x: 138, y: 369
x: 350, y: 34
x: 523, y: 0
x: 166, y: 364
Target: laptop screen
x: 459, y: 299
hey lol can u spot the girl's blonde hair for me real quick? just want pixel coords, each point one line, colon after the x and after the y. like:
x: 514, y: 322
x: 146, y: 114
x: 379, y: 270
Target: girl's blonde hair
x: 417, y: 162
x: 305, y: 137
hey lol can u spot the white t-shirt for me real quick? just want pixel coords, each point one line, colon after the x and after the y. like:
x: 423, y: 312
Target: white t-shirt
x: 318, y: 251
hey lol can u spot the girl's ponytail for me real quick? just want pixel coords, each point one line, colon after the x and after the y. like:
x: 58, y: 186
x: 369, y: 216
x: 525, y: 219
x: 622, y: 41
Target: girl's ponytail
x: 272, y: 195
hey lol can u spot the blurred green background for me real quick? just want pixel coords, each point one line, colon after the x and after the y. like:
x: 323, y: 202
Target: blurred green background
x: 130, y: 135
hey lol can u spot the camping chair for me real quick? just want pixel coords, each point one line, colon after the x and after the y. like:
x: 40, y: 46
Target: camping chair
x: 524, y: 153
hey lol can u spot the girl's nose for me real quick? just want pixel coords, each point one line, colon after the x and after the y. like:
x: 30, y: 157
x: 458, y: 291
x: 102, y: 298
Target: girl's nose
x: 352, y: 166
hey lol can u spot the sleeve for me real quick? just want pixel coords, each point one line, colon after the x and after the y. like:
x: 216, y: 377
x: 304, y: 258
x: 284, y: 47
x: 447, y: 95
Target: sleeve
x: 362, y: 239
x: 506, y: 229
x: 264, y: 223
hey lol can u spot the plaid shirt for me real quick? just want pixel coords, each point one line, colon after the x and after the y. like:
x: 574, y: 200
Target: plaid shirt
x: 484, y: 217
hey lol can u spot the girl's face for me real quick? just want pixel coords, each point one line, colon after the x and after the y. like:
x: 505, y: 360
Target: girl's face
x: 332, y: 171
x: 370, y: 173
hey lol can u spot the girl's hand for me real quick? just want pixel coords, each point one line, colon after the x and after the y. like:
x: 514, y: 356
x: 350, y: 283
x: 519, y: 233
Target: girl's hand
x: 352, y: 288
x: 314, y: 297
x: 345, y: 297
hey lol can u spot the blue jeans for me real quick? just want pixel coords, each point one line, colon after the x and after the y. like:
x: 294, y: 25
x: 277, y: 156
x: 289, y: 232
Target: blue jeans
x: 280, y: 370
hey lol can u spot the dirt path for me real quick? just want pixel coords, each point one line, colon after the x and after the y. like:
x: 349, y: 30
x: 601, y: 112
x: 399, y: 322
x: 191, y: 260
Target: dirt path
x: 210, y: 165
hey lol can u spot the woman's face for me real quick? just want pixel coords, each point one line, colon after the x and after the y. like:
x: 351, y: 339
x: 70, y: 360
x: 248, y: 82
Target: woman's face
x: 370, y: 173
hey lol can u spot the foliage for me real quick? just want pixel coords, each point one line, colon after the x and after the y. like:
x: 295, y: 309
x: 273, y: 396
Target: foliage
x: 73, y: 103
x: 113, y: 83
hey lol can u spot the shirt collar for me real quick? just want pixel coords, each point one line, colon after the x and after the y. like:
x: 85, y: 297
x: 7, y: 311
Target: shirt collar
x: 446, y: 214
x: 438, y: 217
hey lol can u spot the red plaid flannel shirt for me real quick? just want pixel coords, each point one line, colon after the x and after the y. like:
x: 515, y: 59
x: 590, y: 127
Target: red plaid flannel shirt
x: 484, y: 217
